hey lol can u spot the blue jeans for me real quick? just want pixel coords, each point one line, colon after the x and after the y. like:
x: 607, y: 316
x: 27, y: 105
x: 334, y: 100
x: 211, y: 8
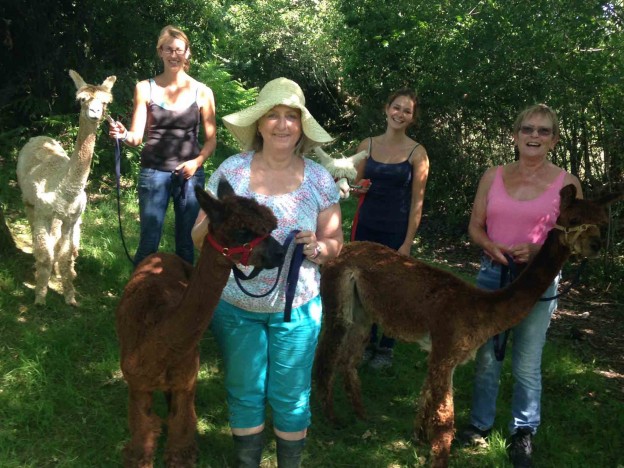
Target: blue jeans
x: 268, y: 360
x: 528, y: 337
x: 155, y: 188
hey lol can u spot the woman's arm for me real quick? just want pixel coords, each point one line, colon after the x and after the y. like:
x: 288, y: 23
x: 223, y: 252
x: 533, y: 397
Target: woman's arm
x: 134, y: 136
x: 207, y: 111
x: 328, y: 236
x: 200, y: 229
x: 477, y: 225
x: 420, y: 172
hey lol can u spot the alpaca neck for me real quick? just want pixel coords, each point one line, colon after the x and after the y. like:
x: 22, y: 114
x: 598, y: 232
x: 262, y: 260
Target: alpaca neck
x: 79, y: 164
x: 185, y: 327
x: 516, y: 301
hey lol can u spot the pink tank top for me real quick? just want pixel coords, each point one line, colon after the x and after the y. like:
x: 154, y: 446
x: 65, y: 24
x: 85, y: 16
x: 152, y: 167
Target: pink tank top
x: 510, y: 221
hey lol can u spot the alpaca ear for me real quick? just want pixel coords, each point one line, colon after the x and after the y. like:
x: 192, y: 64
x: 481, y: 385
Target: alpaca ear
x: 609, y: 198
x: 356, y: 158
x: 224, y: 189
x: 211, y: 206
x: 568, y: 195
x: 323, y: 157
x: 78, y: 81
x: 109, y: 82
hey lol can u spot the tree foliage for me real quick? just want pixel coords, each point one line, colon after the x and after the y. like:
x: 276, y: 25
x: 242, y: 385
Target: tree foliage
x: 475, y: 64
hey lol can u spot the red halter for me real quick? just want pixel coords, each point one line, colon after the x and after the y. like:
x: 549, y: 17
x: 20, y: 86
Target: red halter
x: 244, y: 249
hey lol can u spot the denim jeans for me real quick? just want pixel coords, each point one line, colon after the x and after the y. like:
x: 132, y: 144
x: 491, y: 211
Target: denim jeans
x: 394, y: 240
x: 155, y: 188
x: 528, y: 337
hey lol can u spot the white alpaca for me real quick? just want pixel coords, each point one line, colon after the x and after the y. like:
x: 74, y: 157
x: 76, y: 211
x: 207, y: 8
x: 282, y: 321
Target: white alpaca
x: 344, y: 170
x: 53, y: 186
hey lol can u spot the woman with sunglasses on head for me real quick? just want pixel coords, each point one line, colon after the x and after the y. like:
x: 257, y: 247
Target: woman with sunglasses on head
x: 267, y: 355
x: 397, y: 168
x: 514, y: 208
x: 172, y: 106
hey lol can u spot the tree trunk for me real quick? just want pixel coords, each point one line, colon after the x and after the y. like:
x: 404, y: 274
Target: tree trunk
x: 7, y: 244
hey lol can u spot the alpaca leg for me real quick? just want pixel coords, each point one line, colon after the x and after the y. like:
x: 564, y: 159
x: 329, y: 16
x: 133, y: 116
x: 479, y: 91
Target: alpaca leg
x: 144, y: 430
x: 43, y: 251
x: 181, y: 449
x: 66, y: 265
x: 355, y: 343
x: 436, y: 417
x: 326, y: 364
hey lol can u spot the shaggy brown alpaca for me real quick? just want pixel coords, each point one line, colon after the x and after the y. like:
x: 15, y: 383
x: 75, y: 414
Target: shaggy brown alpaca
x: 165, y: 309
x: 450, y: 318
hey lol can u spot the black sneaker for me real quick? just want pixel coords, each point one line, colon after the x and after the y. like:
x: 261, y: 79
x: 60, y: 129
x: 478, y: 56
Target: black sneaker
x: 382, y: 359
x: 369, y: 353
x: 521, y: 448
x: 473, y: 436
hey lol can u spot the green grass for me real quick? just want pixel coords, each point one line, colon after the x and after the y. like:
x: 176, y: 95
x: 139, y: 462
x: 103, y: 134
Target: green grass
x: 63, y: 400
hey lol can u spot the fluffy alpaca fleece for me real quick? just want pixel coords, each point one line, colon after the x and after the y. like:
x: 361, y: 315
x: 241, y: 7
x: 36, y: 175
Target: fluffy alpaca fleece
x: 343, y: 170
x: 450, y: 318
x: 163, y: 313
x: 53, y: 186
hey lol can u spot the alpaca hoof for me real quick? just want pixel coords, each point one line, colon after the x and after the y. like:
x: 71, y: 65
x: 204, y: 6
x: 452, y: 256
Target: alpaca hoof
x: 71, y: 300
x: 184, y: 458
x: 40, y: 300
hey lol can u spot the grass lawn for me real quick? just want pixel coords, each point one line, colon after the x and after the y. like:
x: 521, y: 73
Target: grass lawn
x: 63, y: 399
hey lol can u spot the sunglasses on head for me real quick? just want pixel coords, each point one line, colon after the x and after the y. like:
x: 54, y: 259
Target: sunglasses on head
x: 541, y: 131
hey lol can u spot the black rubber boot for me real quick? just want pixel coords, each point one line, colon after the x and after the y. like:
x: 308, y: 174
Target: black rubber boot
x: 248, y: 450
x: 289, y: 452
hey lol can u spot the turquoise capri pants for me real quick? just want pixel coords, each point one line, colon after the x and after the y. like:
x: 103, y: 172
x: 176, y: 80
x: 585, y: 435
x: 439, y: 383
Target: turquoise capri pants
x: 267, y: 359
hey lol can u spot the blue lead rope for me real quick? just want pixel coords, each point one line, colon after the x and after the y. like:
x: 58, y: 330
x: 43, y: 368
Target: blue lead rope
x: 291, y: 279
x: 118, y: 177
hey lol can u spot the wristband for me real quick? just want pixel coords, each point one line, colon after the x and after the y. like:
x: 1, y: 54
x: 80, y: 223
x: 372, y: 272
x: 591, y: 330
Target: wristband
x: 125, y: 136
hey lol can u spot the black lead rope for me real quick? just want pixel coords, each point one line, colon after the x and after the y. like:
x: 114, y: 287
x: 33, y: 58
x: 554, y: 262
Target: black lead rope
x: 508, y: 274
x: 118, y: 177
x: 291, y: 279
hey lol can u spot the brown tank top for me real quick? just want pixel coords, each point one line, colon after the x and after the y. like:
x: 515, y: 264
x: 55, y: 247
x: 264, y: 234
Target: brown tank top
x: 172, y: 136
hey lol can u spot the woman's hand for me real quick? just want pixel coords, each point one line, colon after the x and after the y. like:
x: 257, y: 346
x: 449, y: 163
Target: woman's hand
x: 522, y: 253
x: 311, y: 246
x: 361, y: 186
x: 188, y: 168
x: 117, y: 130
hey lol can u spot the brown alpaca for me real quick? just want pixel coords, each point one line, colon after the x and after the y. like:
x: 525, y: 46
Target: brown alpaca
x: 165, y: 309
x: 448, y: 317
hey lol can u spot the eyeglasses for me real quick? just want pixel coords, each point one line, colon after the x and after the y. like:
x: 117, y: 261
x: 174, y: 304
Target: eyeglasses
x: 541, y: 131
x: 170, y: 51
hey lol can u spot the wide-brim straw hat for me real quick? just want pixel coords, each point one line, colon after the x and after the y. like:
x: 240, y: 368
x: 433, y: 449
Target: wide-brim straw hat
x: 280, y: 91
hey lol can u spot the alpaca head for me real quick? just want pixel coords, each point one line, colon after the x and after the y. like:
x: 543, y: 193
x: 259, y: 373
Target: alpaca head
x: 340, y: 167
x: 580, y: 221
x: 94, y: 99
x: 241, y: 225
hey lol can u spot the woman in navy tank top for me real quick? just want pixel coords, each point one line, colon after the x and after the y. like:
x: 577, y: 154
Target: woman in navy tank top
x: 390, y: 214
x: 172, y: 107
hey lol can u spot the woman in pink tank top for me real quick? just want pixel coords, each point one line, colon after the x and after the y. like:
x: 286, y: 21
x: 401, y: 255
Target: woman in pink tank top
x: 514, y: 208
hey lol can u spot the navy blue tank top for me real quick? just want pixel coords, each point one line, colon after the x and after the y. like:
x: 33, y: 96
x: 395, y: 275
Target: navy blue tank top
x: 172, y: 136
x: 387, y: 203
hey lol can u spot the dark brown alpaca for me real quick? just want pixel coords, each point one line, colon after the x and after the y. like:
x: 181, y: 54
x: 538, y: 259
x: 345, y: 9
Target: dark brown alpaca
x: 450, y: 318
x: 165, y: 309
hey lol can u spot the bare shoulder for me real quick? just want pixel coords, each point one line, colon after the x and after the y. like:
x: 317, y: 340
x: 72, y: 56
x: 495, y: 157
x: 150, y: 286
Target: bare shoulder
x: 420, y: 153
x: 363, y: 145
x: 142, y: 90
x: 487, y: 178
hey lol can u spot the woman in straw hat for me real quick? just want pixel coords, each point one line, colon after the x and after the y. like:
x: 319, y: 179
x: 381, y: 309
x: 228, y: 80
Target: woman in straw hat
x: 172, y: 106
x: 267, y: 358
